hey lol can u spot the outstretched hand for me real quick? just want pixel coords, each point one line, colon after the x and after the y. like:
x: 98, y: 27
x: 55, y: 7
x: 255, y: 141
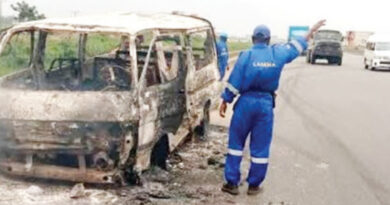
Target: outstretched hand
x: 315, y: 28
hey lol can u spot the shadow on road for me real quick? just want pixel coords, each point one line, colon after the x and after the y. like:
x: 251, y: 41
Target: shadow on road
x: 381, y: 70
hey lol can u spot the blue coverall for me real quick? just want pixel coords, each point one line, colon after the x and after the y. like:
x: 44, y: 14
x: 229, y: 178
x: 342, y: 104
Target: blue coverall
x: 255, y: 76
x: 223, y: 56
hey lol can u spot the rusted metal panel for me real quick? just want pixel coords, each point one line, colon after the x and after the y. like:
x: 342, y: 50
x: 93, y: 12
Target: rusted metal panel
x: 143, y: 160
x: 176, y: 139
x: 202, y: 78
x: 58, y: 172
x: 148, y: 129
x: 23, y: 73
x: 68, y: 106
x: 202, y: 86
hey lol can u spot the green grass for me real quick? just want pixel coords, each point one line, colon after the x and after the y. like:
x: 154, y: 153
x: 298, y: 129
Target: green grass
x: 16, y: 55
x: 60, y: 46
x: 238, y: 46
x: 99, y: 44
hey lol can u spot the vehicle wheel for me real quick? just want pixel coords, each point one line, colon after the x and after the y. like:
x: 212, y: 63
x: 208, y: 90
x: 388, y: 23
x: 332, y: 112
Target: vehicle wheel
x: 160, y: 153
x: 340, y: 62
x: 313, y: 60
x: 308, y: 57
x: 203, y: 130
x: 365, y: 64
x: 371, y: 66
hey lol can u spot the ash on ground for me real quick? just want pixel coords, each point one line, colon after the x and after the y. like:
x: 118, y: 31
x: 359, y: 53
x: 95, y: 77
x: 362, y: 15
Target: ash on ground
x: 194, y: 175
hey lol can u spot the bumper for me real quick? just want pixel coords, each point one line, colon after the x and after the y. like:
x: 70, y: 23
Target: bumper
x: 79, y: 152
x: 381, y: 63
x: 327, y: 55
x: 58, y: 173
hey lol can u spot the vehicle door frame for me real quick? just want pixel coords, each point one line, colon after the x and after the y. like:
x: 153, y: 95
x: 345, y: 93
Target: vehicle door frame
x: 148, y: 99
x: 202, y: 85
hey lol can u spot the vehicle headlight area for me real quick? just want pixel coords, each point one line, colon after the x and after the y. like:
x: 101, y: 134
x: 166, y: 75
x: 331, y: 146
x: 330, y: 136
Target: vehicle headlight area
x: 381, y: 61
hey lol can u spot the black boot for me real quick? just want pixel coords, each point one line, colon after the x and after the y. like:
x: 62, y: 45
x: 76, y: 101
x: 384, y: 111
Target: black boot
x: 254, y: 190
x: 231, y: 189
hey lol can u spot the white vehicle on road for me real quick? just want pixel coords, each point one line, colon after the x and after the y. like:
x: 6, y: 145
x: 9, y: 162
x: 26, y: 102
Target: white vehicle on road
x: 377, y: 52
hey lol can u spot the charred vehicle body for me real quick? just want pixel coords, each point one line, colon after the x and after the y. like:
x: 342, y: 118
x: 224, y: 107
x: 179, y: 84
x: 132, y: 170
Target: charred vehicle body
x: 97, y: 99
x: 326, y: 44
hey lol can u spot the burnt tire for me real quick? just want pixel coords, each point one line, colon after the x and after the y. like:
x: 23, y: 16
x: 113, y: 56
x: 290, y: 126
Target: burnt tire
x: 365, y: 64
x: 202, y: 131
x: 160, y: 153
x: 340, y: 62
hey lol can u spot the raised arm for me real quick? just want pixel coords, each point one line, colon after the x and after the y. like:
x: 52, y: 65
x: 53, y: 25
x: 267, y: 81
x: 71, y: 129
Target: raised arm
x: 314, y: 29
x: 290, y: 51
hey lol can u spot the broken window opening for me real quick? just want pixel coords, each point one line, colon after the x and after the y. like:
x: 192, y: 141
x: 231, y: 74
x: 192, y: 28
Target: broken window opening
x: 109, y: 57
x: 17, y: 53
x: 166, y: 56
x: 147, y: 58
x: 170, y: 61
x: 202, y: 44
x: 68, y: 61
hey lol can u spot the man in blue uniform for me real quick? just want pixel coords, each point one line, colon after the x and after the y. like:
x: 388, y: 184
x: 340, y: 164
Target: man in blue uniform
x: 223, y: 54
x: 256, y: 78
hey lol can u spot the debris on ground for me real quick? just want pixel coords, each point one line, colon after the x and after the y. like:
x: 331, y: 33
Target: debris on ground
x: 193, y: 176
x: 216, y: 161
x: 78, y: 191
x: 102, y: 197
x: 156, y: 174
x: 34, y: 190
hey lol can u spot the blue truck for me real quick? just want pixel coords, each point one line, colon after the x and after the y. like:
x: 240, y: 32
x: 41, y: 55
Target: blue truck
x: 294, y: 31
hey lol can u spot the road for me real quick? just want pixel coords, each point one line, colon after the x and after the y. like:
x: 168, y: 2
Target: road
x: 331, y: 137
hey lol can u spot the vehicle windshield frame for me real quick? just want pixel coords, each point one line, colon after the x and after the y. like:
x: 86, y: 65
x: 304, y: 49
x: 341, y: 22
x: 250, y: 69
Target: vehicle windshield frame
x: 331, y: 35
x: 7, y: 36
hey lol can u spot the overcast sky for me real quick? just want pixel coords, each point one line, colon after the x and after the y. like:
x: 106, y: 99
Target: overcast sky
x: 238, y: 17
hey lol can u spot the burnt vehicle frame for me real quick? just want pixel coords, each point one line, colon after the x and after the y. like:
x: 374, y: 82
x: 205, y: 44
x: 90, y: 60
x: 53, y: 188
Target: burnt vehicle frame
x: 57, y: 128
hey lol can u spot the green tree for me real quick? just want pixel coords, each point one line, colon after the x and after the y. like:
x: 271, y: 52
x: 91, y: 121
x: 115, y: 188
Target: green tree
x: 25, y: 12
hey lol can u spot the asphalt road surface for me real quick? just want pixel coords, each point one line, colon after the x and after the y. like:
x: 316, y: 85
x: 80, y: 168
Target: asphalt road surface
x: 331, y: 138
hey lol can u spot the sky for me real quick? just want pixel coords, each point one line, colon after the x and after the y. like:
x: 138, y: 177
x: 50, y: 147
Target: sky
x: 237, y: 18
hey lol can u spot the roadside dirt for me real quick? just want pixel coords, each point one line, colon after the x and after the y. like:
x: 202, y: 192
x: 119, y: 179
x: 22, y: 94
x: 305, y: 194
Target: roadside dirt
x: 194, y: 176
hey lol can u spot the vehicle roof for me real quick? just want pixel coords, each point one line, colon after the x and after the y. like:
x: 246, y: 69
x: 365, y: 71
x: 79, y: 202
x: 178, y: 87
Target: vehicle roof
x: 379, y: 38
x: 328, y: 30
x: 125, y: 22
x: 328, y: 41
